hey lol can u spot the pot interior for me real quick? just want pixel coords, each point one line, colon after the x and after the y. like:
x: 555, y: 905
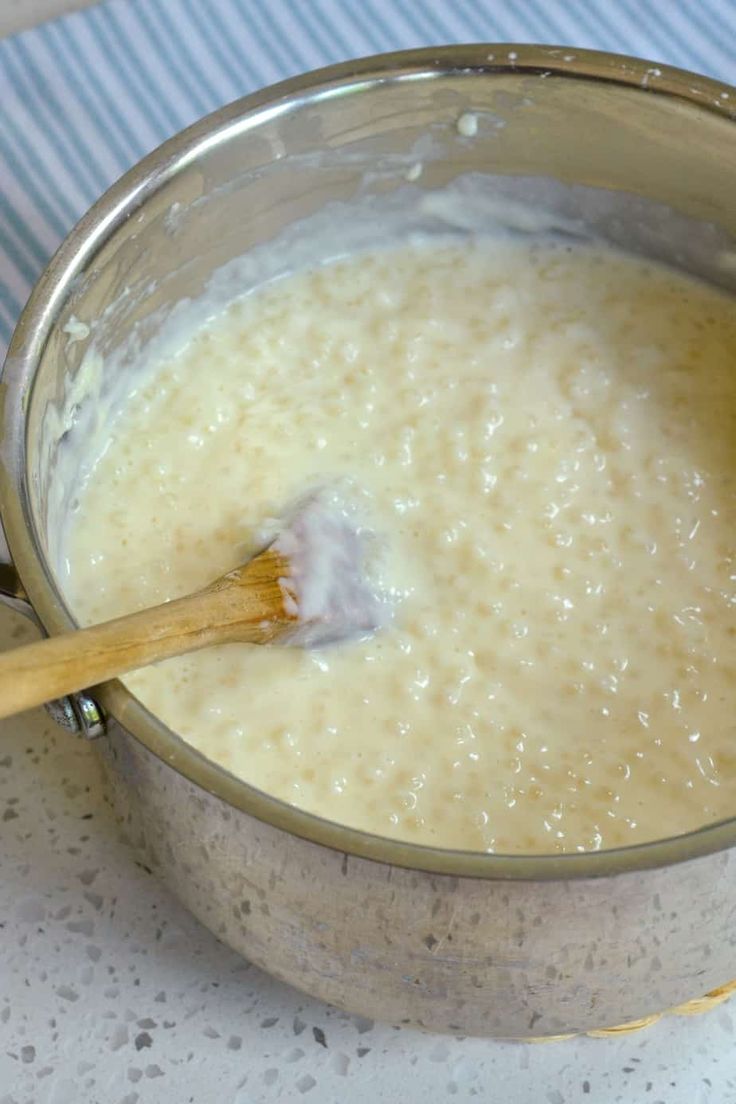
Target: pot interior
x: 264, y: 188
x: 321, y: 173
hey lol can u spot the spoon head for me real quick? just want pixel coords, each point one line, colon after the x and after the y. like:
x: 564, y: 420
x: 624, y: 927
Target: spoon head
x: 328, y: 586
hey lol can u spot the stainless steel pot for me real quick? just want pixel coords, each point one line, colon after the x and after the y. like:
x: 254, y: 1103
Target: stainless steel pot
x: 471, y: 943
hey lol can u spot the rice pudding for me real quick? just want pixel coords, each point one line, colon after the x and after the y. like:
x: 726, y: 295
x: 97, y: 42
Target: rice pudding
x: 545, y: 436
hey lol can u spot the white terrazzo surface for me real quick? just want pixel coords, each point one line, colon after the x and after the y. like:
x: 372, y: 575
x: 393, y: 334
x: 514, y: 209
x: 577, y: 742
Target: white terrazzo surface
x: 111, y: 994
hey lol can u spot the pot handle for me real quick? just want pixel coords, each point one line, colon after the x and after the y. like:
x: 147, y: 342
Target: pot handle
x: 12, y: 593
x: 77, y: 713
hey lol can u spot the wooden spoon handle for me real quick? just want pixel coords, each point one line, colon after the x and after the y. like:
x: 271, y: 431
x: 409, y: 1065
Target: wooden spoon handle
x: 246, y: 605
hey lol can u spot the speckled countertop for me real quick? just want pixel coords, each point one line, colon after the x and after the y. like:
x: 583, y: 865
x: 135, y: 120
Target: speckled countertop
x: 112, y: 994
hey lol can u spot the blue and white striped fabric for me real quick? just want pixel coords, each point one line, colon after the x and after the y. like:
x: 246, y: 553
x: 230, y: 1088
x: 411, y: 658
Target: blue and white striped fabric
x: 83, y: 98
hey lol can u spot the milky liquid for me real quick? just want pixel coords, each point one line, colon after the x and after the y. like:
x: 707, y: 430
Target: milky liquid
x: 546, y: 438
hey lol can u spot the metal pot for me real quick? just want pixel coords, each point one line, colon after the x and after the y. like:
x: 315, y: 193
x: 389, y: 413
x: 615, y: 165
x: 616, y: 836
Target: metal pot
x: 462, y: 942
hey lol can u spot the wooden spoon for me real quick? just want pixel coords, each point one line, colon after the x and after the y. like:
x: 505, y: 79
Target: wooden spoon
x: 255, y: 604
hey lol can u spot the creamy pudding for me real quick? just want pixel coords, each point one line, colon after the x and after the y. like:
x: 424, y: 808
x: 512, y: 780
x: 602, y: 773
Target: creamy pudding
x: 544, y: 440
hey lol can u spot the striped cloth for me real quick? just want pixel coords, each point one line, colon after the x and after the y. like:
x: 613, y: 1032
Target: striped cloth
x: 83, y: 98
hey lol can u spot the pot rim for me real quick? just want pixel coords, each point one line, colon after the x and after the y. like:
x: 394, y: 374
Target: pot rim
x: 38, y: 318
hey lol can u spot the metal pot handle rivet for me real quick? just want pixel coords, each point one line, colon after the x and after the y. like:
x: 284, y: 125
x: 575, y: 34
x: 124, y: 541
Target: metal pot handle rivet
x: 77, y: 713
